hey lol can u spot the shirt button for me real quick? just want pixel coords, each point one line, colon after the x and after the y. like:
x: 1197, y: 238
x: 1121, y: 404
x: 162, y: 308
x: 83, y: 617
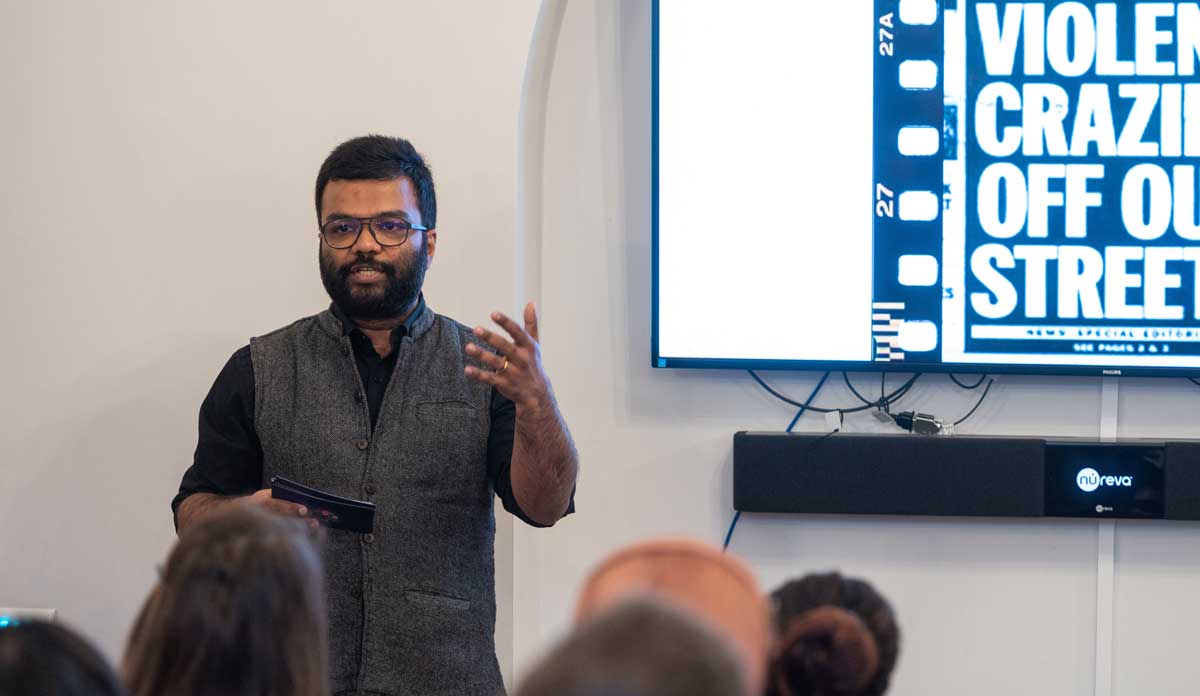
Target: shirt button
x: 369, y: 538
x: 361, y: 444
x: 370, y: 490
x: 378, y: 380
x: 356, y: 592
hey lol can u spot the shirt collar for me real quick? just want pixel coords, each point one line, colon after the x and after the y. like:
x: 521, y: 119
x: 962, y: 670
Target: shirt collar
x: 405, y: 329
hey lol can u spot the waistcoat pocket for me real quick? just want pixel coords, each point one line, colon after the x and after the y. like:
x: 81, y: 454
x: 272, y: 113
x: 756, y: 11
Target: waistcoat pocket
x: 447, y: 413
x: 438, y: 601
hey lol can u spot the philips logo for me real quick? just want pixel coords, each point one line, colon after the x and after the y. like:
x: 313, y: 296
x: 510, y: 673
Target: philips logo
x: 1089, y: 480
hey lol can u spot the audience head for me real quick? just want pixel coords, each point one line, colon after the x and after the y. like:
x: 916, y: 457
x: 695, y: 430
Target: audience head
x: 836, y: 637
x: 45, y: 659
x: 239, y: 609
x: 695, y: 577
x: 638, y: 647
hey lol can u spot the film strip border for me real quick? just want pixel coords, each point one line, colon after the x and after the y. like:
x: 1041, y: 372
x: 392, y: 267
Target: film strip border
x: 910, y: 141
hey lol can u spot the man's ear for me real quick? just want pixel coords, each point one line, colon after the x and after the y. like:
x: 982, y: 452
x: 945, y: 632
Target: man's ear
x: 430, y: 246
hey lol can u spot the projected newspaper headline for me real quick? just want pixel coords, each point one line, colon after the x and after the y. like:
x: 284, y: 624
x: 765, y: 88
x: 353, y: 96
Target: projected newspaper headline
x: 1036, y: 182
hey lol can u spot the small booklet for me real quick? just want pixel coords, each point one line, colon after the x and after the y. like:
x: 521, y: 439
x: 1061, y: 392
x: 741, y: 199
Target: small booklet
x: 329, y: 510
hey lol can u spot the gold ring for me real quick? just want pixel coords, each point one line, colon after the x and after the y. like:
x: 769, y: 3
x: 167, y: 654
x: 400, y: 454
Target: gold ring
x: 503, y: 367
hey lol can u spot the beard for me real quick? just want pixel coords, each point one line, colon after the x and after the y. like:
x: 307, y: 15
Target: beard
x: 399, y: 291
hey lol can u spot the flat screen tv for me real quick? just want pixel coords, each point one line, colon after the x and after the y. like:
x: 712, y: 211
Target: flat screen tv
x: 915, y: 185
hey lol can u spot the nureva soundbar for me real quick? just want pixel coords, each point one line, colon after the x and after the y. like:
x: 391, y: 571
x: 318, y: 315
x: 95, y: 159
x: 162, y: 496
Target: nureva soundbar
x: 965, y: 476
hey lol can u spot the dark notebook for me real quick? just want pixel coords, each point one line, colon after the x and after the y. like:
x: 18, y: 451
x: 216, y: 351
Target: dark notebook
x: 330, y: 510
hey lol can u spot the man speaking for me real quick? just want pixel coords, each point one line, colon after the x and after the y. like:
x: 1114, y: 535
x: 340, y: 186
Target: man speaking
x: 379, y: 398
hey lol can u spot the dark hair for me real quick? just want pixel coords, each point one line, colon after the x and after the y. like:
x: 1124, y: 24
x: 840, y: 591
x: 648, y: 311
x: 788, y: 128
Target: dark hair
x: 836, y: 636
x: 45, y: 659
x: 239, y: 610
x: 379, y: 158
x: 639, y: 647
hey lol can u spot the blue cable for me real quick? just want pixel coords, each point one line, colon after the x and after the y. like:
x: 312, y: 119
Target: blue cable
x: 813, y: 395
x: 804, y: 407
x: 729, y: 535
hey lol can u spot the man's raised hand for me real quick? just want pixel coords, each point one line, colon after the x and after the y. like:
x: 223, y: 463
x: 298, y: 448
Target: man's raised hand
x: 515, y: 369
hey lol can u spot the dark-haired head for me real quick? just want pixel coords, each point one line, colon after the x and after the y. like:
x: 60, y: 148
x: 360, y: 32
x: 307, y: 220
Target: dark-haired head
x: 44, y: 659
x: 835, y: 636
x: 380, y: 158
x: 378, y: 213
x: 239, y: 610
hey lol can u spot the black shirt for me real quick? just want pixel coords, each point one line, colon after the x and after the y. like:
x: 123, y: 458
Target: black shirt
x: 229, y: 456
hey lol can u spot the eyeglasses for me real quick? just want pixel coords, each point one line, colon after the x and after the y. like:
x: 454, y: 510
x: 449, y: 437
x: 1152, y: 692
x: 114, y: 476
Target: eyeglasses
x: 388, y: 231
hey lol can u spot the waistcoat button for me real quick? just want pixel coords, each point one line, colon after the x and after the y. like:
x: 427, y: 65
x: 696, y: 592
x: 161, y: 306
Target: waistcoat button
x: 369, y: 489
x: 369, y: 538
x: 358, y: 397
x: 361, y: 444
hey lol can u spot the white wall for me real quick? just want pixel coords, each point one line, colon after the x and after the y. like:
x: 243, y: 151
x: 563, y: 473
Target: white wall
x: 987, y: 607
x: 132, y: 133
x: 156, y: 183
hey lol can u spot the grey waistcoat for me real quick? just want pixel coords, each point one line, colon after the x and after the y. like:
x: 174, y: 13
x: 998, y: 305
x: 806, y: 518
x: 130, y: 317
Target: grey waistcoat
x: 412, y: 607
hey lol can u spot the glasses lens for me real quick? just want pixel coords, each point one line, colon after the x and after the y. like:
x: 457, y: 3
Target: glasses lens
x: 390, y: 231
x: 341, y: 234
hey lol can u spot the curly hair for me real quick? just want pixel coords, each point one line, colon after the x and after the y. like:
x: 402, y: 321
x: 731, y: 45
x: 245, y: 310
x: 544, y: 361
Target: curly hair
x: 836, y: 636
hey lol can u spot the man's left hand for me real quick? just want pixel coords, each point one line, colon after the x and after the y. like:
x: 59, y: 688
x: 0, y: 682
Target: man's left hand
x: 515, y: 369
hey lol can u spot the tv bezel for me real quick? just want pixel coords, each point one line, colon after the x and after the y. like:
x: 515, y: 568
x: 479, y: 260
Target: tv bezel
x: 657, y: 360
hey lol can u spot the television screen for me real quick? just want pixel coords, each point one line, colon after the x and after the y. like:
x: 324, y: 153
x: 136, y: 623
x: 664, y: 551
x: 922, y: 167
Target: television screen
x: 916, y: 185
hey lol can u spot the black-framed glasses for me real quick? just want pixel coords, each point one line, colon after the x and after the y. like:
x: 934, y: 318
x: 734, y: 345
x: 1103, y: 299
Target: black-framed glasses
x: 388, y: 230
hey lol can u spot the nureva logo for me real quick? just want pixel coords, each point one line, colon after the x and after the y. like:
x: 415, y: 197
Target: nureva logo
x: 1089, y: 480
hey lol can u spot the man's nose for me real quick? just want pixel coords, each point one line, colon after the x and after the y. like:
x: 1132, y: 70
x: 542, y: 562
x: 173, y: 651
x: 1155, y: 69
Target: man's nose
x: 366, y: 242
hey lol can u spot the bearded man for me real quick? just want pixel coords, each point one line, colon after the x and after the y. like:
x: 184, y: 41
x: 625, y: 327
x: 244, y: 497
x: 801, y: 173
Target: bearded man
x: 378, y: 398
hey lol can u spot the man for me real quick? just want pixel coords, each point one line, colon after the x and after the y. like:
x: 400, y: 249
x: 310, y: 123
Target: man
x: 379, y: 398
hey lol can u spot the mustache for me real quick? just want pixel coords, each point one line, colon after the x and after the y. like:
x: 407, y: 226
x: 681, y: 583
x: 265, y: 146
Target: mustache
x: 366, y: 262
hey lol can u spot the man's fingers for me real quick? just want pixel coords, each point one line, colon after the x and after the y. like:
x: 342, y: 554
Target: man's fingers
x: 488, y: 358
x: 262, y: 498
x: 279, y: 507
x: 283, y: 507
x: 502, y: 346
x: 531, y: 322
x: 518, y: 334
x: 482, y: 376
